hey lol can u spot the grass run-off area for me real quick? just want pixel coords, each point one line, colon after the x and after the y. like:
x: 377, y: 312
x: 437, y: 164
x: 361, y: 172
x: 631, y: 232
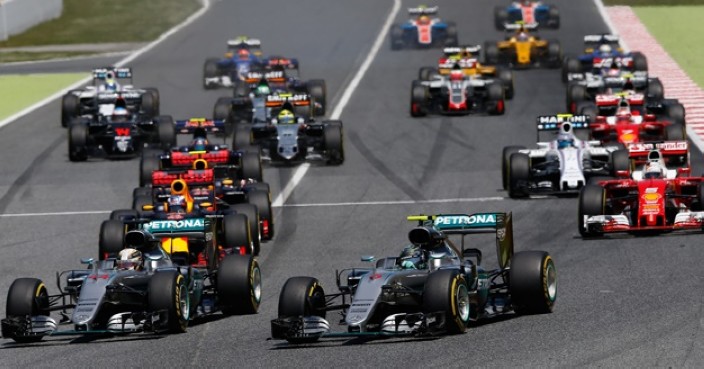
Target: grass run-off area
x: 19, y: 56
x: 20, y: 91
x: 674, y: 28
x: 98, y: 21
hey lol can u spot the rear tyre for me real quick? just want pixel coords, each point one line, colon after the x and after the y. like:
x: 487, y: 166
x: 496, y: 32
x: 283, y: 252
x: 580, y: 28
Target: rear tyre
x: 506, y: 77
x: 675, y: 113
x: 302, y: 297
x: 495, y: 97
x: 491, y: 53
x: 620, y: 161
x: 446, y: 291
x: 210, y: 70
x: 110, y: 240
x: 575, y: 95
x: 168, y: 293
x: 242, y: 137
x: 318, y: 91
x: 253, y: 224
x: 640, y: 62
x: 69, y: 108
x: 77, y: 142
x: 396, y: 37
x: 236, y: 232
x: 505, y: 161
x: 148, y: 165
x: 166, y: 131
x: 592, y: 201
x: 239, y: 285
x: 570, y: 65
x: 26, y: 297
x: 148, y: 105
x: 655, y: 90
x: 333, y: 144
x: 500, y: 17
x: 554, y: 54
x: 124, y: 214
x: 419, y: 97
x: 251, y: 166
x: 675, y: 132
x: 518, y: 171
x: 262, y: 201
x: 533, y: 282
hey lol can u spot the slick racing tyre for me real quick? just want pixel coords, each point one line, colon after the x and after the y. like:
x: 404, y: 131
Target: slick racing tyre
x: 451, y: 34
x: 592, y: 201
x: 239, y: 284
x: 262, y: 200
x: 506, y: 77
x: 491, y: 53
x: 675, y: 113
x: 111, y: 239
x: 554, y: 17
x: 495, y: 97
x: 168, y: 295
x: 242, y: 137
x: 334, y: 147
x: 446, y: 291
x: 147, y: 165
x: 253, y: 222
x: 318, y: 92
x: 518, y: 171
x: 570, y: 65
x: 138, y: 203
x: 235, y: 232
x: 505, y: 161
x: 302, y: 297
x: 675, y: 132
x: 166, y: 131
x: 587, y: 108
x: 210, y: 70
x: 575, y: 95
x: 141, y: 191
x: 500, y: 17
x: 148, y: 105
x: 532, y: 282
x: 69, y: 108
x: 77, y: 142
x: 223, y: 109
x: 655, y: 90
x: 26, y: 297
x: 640, y: 62
x: 426, y: 73
x: 396, y: 34
x: 124, y: 214
x: 157, y: 99
x: 620, y: 162
x: 419, y: 99
x: 251, y: 166
x: 554, y: 57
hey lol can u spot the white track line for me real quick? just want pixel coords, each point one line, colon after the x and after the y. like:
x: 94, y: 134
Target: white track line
x: 676, y: 81
x: 318, y: 205
x: 128, y: 59
x: 346, y: 96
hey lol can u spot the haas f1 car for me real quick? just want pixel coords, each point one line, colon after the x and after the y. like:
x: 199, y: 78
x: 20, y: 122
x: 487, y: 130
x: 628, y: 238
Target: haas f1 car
x: 457, y: 94
x: 423, y: 31
x: 148, y: 292
x: 432, y: 287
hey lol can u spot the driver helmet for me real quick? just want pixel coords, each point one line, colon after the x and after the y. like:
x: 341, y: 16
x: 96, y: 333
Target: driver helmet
x: 564, y: 140
x: 285, y: 117
x: 243, y: 54
x: 263, y: 90
x: 199, y: 144
x: 423, y: 19
x: 120, y: 114
x: 624, y: 110
x: 522, y: 35
x: 456, y: 75
x: 605, y: 49
x: 411, y: 257
x: 177, y: 204
x: 129, y: 259
x: 653, y: 170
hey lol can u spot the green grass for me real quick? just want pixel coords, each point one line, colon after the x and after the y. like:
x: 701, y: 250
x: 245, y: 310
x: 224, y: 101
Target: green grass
x: 676, y: 29
x: 27, y: 56
x: 653, y: 2
x: 20, y: 91
x: 98, y: 21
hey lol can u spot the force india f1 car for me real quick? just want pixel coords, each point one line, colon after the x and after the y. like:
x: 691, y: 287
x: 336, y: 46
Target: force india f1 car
x: 523, y: 50
x: 528, y: 11
x: 423, y: 31
x: 432, y: 287
x: 457, y: 94
x: 662, y: 198
x: 158, y: 296
x: 560, y: 166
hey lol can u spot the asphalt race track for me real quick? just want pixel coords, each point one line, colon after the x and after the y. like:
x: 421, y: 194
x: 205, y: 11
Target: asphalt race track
x: 622, y: 300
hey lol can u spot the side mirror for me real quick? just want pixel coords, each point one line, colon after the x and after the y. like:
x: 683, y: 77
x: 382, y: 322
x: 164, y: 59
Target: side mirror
x: 684, y: 172
x: 148, y: 207
x: 622, y: 174
x: 87, y: 261
x: 368, y: 258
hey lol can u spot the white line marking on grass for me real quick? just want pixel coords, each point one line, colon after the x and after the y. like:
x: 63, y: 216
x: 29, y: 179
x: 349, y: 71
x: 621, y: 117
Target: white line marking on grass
x: 346, y: 96
x: 399, y: 202
x: 128, y: 59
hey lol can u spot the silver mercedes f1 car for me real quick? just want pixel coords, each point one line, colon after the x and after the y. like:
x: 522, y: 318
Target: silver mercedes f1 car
x: 432, y: 287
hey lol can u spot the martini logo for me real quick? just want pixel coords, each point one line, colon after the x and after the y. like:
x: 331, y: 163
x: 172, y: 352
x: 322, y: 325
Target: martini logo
x: 175, y: 225
x: 465, y: 221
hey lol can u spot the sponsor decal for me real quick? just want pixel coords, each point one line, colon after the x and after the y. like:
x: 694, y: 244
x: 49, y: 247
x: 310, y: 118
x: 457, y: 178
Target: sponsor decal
x: 651, y: 198
x: 650, y: 209
x: 461, y: 221
x: 197, y: 224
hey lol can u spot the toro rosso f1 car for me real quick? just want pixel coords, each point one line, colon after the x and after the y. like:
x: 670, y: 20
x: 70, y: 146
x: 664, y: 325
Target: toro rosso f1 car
x: 603, y: 50
x: 432, y: 287
x: 154, y: 295
x: 423, y: 31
